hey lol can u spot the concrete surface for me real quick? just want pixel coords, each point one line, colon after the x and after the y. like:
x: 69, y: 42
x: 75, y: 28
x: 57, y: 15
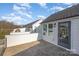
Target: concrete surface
x: 19, y: 48
x: 37, y: 48
x: 1, y: 49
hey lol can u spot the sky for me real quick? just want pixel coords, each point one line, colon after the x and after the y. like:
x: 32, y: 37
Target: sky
x: 24, y: 13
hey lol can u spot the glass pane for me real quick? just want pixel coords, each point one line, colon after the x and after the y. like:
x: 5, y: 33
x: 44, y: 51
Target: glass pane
x: 64, y: 32
x: 50, y: 29
x: 44, y: 29
x: 50, y: 26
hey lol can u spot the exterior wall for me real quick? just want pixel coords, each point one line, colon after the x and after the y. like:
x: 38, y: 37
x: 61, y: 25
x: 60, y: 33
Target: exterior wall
x: 37, y: 28
x: 36, y: 25
x: 75, y: 35
x: 53, y: 38
x: 13, y: 40
x: 39, y: 32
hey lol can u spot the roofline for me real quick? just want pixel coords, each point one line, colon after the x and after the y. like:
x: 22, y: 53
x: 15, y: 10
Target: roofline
x: 60, y: 19
x: 63, y: 17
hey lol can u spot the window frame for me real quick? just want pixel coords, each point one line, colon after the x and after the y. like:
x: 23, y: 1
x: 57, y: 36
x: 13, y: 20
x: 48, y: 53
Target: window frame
x: 50, y: 28
x: 44, y: 29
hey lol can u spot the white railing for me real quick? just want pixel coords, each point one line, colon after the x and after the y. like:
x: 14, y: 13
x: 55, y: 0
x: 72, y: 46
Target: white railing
x: 13, y: 40
x: 13, y: 33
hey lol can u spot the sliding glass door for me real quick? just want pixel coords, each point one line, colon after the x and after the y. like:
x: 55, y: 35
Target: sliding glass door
x: 64, y: 31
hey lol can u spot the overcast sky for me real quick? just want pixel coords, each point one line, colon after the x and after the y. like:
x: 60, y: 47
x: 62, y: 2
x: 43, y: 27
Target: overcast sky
x: 23, y: 13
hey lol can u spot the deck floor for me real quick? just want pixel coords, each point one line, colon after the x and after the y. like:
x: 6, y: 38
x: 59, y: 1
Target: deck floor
x: 37, y: 48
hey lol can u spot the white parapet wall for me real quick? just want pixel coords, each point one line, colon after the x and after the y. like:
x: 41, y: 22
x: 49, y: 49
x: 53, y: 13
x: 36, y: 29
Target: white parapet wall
x: 21, y: 38
x: 17, y: 33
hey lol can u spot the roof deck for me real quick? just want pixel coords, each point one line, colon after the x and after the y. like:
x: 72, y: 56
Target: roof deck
x: 37, y: 48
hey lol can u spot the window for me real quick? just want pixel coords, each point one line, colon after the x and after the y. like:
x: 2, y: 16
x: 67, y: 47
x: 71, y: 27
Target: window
x: 50, y: 28
x: 44, y: 29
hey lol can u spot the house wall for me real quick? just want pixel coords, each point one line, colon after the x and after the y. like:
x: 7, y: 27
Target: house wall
x: 53, y: 38
x: 75, y: 35
x: 37, y: 26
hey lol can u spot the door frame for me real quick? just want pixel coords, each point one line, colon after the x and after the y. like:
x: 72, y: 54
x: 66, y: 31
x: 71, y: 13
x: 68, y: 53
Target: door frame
x: 69, y: 39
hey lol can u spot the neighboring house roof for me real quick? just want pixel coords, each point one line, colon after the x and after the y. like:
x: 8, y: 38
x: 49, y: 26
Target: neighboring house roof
x: 30, y: 24
x: 19, y: 30
x: 66, y: 13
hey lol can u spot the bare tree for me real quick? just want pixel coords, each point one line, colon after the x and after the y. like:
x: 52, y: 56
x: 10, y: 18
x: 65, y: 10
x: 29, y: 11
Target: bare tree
x: 6, y: 27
